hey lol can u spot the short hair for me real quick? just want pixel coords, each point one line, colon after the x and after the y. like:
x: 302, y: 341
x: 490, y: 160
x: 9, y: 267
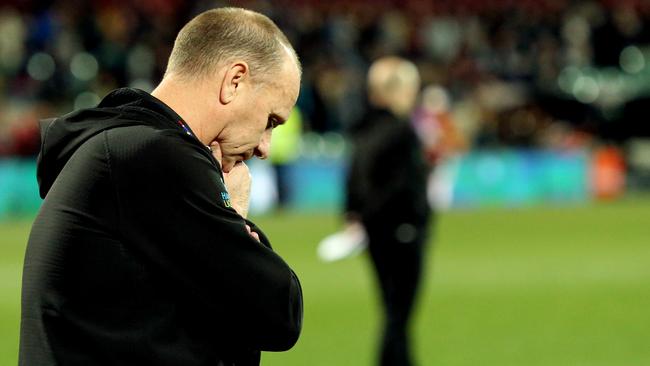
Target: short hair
x: 393, y: 74
x: 217, y: 36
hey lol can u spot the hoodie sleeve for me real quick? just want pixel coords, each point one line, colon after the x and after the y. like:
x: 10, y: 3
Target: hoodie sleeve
x: 174, y: 212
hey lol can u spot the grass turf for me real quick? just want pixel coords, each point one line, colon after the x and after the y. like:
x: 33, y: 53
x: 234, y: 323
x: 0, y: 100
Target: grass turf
x: 535, y: 286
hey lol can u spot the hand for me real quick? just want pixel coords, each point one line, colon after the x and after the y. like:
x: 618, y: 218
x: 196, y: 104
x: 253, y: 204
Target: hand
x: 253, y: 234
x: 238, y: 184
x: 225, y: 163
x: 353, y: 226
x: 237, y: 181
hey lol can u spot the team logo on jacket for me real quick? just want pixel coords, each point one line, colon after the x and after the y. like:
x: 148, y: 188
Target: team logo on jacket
x: 225, y: 197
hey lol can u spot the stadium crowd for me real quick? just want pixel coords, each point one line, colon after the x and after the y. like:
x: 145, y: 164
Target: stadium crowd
x: 553, y: 73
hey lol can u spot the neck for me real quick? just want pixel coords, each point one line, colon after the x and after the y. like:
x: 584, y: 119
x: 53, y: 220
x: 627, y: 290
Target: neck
x: 188, y: 99
x: 399, y: 110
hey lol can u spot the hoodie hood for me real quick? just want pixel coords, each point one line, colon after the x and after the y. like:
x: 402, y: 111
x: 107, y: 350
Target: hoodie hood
x: 61, y: 137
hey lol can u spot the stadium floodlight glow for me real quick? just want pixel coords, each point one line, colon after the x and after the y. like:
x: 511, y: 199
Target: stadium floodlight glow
x: 567, y: 78
x: 84, y: 66
x: 586, y: 89
x: 40, y: 66
x: 141, y: 62
x: 632, y: 60
x: 86, y: 100
x: 143, y: 84
x: 612, y: 87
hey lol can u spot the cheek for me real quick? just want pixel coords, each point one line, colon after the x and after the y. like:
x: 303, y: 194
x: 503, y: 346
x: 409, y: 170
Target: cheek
x: 260, y: 123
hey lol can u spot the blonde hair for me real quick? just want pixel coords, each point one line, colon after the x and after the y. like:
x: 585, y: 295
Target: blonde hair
x: 393, y: 82
x: 217, y: 36
x: 393, y: 74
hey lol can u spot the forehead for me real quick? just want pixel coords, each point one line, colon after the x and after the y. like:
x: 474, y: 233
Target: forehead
x: 284, y: 88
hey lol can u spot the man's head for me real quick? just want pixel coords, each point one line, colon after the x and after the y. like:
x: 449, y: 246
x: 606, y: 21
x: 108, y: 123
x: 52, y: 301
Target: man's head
x: 221, y: 35
x: 233, y: 76
x: 393, y: 83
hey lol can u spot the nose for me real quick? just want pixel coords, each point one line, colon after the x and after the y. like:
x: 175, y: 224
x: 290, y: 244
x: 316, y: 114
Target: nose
x: 264, y: 148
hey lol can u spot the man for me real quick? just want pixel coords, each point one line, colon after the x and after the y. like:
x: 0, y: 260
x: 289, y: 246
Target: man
x: 141, y: 253
x: 386, y: 193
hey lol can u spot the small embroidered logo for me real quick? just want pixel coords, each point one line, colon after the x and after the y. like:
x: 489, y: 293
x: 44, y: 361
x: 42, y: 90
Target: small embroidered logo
x: 226, y: 199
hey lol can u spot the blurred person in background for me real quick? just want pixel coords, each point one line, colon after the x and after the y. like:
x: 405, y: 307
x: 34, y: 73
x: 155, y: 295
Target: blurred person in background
x: 285, y: 150
x: 386, y: 194
x: 441, y: 139
x: 141, y: 252
x: 435, y: 127
x: 590, y: 53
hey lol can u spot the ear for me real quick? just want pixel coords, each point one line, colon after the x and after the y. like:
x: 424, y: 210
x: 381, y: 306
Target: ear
x: 234, y: 75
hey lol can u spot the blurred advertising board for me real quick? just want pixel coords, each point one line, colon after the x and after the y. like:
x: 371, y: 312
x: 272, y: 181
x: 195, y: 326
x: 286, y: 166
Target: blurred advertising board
x: 511, y: 178
x: 505, y: 177
x: 18, y: 188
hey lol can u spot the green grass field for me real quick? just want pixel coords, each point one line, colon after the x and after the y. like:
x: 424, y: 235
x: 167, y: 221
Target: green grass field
x: 556, y: 286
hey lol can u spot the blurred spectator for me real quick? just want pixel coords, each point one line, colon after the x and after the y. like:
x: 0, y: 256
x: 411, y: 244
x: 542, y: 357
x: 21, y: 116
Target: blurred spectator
x: 386, y: 194
x: 434, y: 125
x: 608, y: 172
x: 579, y: 62
x: 284, y: 151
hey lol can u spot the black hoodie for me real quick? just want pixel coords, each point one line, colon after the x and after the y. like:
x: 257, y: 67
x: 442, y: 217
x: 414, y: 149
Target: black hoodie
x: 385, y: 198
x: 137, y: 258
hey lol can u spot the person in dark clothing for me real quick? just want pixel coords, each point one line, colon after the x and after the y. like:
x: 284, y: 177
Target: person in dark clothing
x: 386, y: 193
x: 141, y: 253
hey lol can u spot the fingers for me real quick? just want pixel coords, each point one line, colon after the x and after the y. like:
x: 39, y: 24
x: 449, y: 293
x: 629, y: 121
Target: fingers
x: 216, y: 151
x: 253, y: 234
x: 243, y: 168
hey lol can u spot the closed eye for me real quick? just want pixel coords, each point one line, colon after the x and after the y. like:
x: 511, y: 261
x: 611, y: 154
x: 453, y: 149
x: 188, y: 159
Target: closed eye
x: 273, y: 121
